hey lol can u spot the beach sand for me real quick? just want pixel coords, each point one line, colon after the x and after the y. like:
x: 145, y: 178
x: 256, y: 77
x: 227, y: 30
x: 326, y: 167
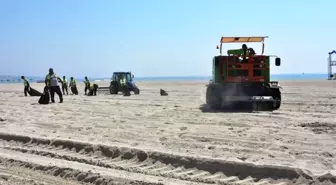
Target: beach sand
x: 153, y: 139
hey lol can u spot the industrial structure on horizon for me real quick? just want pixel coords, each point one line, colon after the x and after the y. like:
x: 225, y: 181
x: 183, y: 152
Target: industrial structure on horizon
x: 331, y: 63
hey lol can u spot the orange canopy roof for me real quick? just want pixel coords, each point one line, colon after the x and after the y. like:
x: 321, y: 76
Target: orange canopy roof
x: 242, y: 39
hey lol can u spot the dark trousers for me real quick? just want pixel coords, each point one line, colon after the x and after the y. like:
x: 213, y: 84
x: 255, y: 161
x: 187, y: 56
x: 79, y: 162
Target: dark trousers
x: 26, y: 90
x: 53, y: 90
x: 86, y: 89
x: 65, y: 89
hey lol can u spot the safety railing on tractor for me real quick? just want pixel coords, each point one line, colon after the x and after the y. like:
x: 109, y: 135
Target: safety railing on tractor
x: 255, y: 64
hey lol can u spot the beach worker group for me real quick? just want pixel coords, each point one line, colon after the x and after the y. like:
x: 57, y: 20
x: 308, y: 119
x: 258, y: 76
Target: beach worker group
x: 72, y: 85
x: 52, y: 81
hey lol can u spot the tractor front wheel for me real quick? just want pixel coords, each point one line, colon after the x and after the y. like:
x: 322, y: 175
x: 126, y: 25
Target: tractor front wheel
x: 136, y: 90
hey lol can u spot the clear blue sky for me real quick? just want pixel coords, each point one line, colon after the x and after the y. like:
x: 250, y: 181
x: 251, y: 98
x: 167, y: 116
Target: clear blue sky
x: 158, y: 37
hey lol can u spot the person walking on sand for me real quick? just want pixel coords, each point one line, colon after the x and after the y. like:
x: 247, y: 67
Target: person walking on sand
x: 87, y: 85
x: 65, y: 85
x: 26, y: 85
x: 51, y: 82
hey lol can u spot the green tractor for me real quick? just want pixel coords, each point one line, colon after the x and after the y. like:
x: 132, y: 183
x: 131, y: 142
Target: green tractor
x: 241, y: 79
x: 116, y: 86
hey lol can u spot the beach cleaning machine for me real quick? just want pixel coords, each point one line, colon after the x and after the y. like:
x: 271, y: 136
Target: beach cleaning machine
x: 241, y: 79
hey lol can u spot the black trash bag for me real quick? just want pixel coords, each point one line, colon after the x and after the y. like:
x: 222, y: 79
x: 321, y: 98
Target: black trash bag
x: 163, y: 92
x: 45, y: 97
x: 34, y: 92
x: 74, y: 90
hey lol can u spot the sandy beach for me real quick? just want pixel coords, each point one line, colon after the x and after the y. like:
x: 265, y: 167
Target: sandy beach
x: 153, y: 139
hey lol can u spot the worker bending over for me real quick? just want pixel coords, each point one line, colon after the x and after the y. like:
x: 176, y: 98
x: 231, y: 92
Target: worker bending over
x: 26, y: 85
x: 87, y: 84
x: 65, y: 86
x: 51, y: 82
x: 93, y: 90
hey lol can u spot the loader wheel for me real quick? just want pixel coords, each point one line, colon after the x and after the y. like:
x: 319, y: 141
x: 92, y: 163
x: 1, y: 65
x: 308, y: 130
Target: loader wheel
x: 136, y: 90
x: 276, y: 95
x: 213, y: 96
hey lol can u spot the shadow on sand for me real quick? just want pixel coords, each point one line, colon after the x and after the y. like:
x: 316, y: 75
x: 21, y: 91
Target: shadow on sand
x: 206, y: 109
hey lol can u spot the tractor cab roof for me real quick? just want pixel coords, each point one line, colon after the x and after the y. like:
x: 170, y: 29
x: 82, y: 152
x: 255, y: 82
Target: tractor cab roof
x: 122, y: 73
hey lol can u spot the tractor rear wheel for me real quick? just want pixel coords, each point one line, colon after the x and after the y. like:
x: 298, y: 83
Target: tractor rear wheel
x: 276, y: 95
x: 213, y: 96
x: 113, y: 88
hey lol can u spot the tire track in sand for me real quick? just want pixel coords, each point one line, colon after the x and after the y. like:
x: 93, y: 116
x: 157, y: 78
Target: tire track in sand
x: 154, y: 164
x: 16, y: 175
x: 43, y: 173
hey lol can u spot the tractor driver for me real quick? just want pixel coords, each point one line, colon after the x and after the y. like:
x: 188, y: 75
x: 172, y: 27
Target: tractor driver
x: 122, y: 81
x: 246, y: 52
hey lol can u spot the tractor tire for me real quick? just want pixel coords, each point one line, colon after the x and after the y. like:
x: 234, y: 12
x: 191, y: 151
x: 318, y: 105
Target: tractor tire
x: 113, y: 88
x: 136, y: 90
x: 276, y: 94
x: 214, y: 96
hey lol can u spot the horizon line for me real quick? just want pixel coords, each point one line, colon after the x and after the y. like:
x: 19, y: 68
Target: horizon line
x: 187, y: 76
